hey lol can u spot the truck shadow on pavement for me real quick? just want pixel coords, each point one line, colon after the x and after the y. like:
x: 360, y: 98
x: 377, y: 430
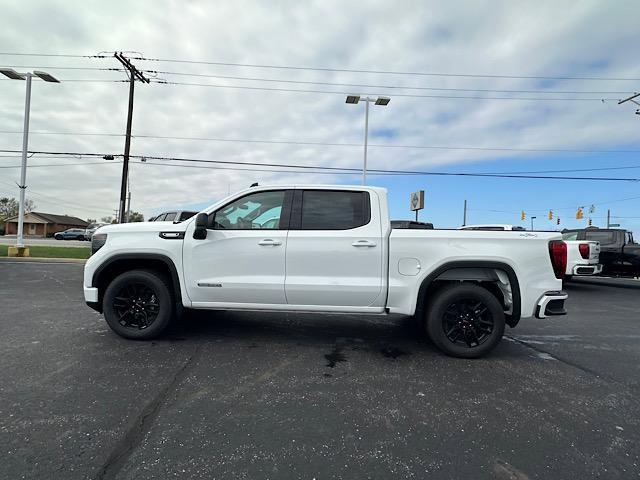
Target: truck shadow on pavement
x: 394, y: 338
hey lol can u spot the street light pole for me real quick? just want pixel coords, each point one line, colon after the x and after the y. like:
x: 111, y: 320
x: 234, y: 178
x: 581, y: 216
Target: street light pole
x: 532, y: 219
x: 23, y: 169
x: 13, y: 75
x: 382, y: 101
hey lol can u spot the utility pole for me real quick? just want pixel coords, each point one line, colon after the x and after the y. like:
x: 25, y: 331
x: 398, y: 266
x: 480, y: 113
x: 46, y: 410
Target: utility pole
x: 134, y: 74
x: 608, y: 218
x: 464, y: 215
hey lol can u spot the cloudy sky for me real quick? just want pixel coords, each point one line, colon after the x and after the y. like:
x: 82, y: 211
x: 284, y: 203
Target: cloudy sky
x: 456, y: 64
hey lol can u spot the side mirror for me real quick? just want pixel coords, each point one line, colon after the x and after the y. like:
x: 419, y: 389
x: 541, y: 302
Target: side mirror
x: 200, y: 233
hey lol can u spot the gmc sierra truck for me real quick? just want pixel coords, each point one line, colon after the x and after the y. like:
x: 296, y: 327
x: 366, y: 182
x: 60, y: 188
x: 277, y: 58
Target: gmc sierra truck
x: 324, y: 249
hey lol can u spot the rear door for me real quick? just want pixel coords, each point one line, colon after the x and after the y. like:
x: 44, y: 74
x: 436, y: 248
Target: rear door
x: 334, y: 250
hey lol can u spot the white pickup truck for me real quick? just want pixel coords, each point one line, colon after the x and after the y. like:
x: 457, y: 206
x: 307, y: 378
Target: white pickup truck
x: 324, y: 249
x: 583, y: 256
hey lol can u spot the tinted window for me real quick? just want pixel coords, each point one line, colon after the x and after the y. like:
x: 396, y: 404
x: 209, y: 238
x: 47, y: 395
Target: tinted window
x: 257, y: 211
x: 570, y: 236
x: 605, y: 238
x: 326, y: 210
x: 186, y: 215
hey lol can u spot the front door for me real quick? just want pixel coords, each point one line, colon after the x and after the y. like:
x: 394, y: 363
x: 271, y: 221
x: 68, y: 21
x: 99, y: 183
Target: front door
x: 335, y: 250
x: 241, y: 262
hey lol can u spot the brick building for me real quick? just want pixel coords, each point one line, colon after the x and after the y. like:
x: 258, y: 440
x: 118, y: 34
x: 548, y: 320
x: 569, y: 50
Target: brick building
x: 38, y: 224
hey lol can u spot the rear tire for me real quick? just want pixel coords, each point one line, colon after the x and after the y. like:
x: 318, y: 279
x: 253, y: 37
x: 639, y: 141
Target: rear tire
x: 139, y: 304
x: 465, y: 320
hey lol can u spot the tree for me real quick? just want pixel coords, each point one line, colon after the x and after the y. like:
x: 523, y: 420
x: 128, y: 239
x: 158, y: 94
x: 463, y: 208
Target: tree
x: 91, y: 220
x: 9, y: 207
x: 108, y: 219
x: 136, y: 217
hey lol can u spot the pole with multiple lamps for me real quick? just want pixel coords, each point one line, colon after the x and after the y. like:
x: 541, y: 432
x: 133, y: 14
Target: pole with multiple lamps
x: 13, y: 75
x: 381, y: 101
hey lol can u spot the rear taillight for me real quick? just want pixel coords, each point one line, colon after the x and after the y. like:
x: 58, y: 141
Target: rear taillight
x: 584, y: 250
x: 558, y: 255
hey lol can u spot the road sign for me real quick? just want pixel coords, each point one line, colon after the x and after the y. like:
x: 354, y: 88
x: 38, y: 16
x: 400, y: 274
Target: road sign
x: 416, y: 200
x: 614, y: 225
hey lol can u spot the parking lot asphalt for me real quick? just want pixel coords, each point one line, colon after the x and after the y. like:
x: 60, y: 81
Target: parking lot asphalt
x: 288, y: 395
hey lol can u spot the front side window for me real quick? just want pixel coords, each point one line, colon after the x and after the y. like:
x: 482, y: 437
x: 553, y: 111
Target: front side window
x: 257, y: 211
x: 334, y: 210
x: 170, y: 216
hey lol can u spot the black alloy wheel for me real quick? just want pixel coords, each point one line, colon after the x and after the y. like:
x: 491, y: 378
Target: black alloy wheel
x: 139, y: 304
x: 467, y: 322
x: 136, y: 305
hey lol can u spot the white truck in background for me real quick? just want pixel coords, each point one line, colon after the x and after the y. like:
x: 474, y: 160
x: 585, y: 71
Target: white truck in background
x: 324, y: 249
x: 583, y: 256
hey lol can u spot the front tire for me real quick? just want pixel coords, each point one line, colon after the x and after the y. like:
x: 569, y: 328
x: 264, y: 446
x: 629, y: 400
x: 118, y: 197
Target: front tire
x: 465, y: 320
x: 139, y: 304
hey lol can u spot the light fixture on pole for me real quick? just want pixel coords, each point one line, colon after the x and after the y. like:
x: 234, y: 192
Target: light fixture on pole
x: 380, y: 101
x: 13, y: 75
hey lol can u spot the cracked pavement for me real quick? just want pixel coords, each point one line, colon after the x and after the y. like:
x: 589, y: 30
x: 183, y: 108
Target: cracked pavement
x: 286, y: 395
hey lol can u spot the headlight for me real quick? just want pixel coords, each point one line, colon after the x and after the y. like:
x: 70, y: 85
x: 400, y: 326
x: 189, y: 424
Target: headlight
x: 97, y: 241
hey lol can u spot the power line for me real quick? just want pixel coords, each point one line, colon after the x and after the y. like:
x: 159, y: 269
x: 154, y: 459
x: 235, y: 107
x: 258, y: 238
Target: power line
x: 383, y: 72
x: 328, y: 168
x: 405, y: 95
x: 51, y: 67
x: 401, y: 87
x: 16, y: 54
x: 331, y: 144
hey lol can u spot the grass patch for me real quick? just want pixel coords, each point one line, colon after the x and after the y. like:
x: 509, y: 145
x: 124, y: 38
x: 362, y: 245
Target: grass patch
x: 52, y: 252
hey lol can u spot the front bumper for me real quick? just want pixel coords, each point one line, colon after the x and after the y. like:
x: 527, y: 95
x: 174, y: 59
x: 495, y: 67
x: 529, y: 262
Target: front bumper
x: 587, y: 269
x: 551, y: 303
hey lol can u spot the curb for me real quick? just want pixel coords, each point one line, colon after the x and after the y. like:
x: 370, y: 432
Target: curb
x: 81, y: 261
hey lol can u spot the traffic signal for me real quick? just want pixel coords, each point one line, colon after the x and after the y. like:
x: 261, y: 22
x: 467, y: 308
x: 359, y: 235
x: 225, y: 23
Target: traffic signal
x: 579, y: 214
x: 550, y: 214
x: 522, y: 215
x: 558, y: 221
x: 589, y: 222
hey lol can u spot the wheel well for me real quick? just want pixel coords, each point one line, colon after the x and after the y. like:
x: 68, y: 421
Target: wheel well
x: 163, y: 266
x: 500, y: 281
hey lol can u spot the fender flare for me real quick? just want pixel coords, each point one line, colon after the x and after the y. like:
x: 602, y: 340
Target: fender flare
x: 512, y: 320
x: 142, y: 256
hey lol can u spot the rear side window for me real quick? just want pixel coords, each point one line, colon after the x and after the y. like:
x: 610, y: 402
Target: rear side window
x: 334, y: 210
x: 570, y: 236
x: 169, y: 217
x: 605, y: 238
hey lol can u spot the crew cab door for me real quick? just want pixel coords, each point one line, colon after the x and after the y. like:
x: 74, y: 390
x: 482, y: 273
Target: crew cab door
x: 334, y: 250
x: 241, y: 262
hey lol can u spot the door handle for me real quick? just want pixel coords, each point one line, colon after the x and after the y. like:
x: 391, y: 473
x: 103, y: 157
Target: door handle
x: 364, y: 243
x: 270, y: 242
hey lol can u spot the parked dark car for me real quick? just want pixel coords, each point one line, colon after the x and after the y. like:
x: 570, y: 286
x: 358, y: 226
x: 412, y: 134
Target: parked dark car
x: 175, y: 217
x: 619, y: 253
x: 71, y: 234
